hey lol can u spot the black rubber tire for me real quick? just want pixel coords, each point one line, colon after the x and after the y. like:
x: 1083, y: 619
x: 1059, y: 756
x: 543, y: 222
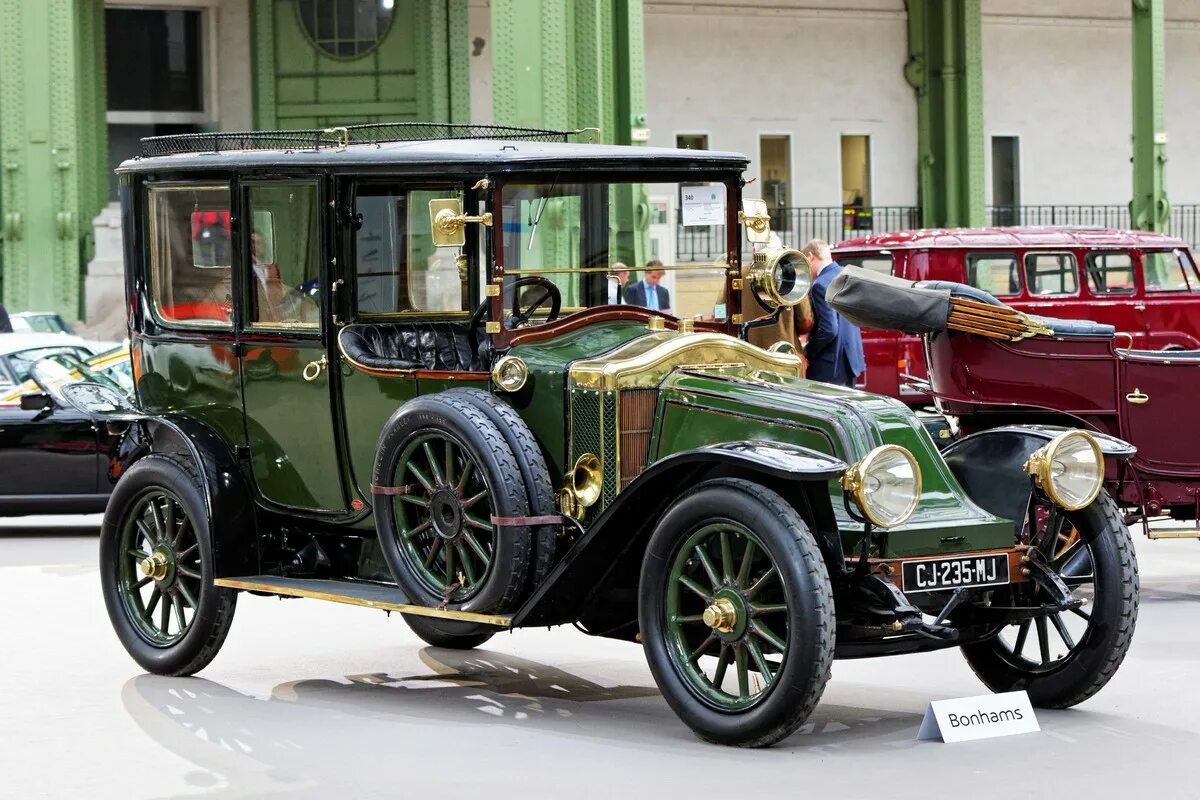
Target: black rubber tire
x: 216, y: 605
x: 450, y: 634
x: 445, y: 414
x: 1096, y: 657
x: 803, y: 574
x: 534, y: 472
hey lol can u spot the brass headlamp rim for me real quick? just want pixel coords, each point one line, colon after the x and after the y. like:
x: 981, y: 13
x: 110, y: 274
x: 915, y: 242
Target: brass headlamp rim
x: 510, y: 361
x: 1038, y: 467
x: 852, y: 482
x: 762, y: 278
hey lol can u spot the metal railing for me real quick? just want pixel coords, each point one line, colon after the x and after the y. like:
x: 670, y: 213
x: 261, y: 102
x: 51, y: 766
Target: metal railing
x: 796, y: 225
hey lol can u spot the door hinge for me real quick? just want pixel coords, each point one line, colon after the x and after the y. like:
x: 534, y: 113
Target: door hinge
x: 242, y: 452
x: 239, y: 349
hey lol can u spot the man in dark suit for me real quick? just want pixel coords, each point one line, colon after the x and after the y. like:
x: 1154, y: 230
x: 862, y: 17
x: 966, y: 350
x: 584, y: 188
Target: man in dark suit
x: 648, y: 292
x: 834, y: 350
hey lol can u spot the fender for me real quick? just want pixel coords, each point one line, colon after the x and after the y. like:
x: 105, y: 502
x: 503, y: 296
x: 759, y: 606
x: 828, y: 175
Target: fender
x: 614, y: 543
x: 227, y: 497
x: 990, y: 465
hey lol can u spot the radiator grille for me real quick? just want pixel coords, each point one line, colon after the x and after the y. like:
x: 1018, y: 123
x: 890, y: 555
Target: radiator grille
x: 637, y: 418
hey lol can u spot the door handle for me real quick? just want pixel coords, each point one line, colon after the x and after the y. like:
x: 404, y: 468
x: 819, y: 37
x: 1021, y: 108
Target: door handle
x: 1137, y: 397
x: 1139, y: 306
x: 312, y: 370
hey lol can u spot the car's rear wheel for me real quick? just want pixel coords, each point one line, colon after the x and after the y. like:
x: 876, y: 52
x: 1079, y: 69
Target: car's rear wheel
x: 736, y: 613
x: 156, y: 569
x: 446, y: 499
x: 1063, y: 658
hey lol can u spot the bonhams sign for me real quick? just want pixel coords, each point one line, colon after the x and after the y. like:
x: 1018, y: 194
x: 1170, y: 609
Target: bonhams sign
x: 980, y: 717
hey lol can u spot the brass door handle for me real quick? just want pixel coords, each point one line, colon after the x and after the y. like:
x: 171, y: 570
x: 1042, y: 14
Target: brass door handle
x: 1137, y: 397
x: 312, y: 370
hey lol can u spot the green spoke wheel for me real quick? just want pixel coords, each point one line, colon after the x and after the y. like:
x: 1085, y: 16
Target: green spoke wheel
x: 444, y: 519
x: 736, y: 613
x: 161, y: 569
x: 710, y: 613
x: 156, y: 570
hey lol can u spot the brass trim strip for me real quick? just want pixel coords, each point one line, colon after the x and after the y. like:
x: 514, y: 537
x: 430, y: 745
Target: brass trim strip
x: 403, y: 608
x: 583, y: 270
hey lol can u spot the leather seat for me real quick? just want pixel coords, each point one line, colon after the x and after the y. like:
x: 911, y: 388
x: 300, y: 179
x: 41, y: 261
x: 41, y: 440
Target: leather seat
x: 1061, y: 327
x: 398, y: 346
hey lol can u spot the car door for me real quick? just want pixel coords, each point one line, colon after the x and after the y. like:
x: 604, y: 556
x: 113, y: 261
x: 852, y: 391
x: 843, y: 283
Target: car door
x: 1114, y: 295
x: 1158, y: 407
x: 51, y: 452
x: 287, y: 393
x: 1172, y: 299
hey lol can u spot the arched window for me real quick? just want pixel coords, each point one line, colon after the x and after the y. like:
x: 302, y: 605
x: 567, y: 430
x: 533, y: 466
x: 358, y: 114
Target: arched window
x: 346, y: 28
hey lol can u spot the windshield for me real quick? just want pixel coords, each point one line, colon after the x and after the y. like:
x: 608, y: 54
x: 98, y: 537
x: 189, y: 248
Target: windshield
x: 602, y: 243
x: 1170, y: 271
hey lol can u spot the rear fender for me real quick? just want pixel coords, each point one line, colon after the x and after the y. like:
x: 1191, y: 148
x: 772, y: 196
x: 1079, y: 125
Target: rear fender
x: 606, y: 560
x: 228, y: 500
x: 990, y: 465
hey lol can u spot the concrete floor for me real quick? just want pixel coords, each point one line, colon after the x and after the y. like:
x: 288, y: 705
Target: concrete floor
x: 312, y: 699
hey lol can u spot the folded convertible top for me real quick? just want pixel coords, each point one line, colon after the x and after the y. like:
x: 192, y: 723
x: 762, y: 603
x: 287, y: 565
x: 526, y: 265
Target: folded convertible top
x: 871, y: 300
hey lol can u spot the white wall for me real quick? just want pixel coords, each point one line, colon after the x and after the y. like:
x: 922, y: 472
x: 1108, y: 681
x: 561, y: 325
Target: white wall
x: 1058, y: 75
x: 813, y: 70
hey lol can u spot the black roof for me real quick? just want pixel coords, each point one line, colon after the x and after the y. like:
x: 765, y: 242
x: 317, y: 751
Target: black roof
x: 415, y: 147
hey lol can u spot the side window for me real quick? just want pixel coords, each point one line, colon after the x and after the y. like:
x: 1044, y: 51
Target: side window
x: 397, y: 268
x: 191, y: 255
x: 995, y: 273
x: 881, y: 264
x: 1051, y: 273
x: 1110, y: 273
x: 1169, y: 271
x: 285, y: 252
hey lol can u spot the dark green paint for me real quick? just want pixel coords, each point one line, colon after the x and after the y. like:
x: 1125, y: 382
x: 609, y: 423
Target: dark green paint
x: 202, y: 380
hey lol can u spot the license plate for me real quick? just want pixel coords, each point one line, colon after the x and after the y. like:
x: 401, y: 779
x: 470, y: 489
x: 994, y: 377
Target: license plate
x: 936, y: 574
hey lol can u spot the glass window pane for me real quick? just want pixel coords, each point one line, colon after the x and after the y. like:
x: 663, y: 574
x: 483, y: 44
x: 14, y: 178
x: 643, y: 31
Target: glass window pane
x: 346, y: 28
x: 995, y: 273
x: 285, y: 251
x: 398, y: 269
x: 879, y: 264
x: 1169, y: 272
x: 153, y: 60
x: 1051, y: 273
x: 190, y: 256
x: 1110, y: 273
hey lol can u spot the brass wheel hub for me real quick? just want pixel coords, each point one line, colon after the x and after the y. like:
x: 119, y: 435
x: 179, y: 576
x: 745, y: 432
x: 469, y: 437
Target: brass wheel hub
x: 721, y: 615
x: 154, y: 566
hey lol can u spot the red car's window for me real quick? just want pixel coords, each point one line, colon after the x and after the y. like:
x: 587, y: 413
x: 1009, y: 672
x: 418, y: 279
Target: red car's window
x: 1170, y: 271
x: 995, y: 273
x: 882, y: 264
x: 1051, y: 274
x: 1110, y: 273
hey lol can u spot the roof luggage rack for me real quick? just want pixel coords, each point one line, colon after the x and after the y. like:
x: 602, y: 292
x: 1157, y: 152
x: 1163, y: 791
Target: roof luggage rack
x: 340, y: 137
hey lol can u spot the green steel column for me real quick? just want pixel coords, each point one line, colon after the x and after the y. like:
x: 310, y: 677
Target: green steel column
x: 945, y: 67
x: 576, y: 64
x: 52, y: 148
x: 1150, y: 209
x: 266, y: 109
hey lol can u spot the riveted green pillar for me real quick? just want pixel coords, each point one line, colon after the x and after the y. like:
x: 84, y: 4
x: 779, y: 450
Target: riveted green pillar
x: 573, y: 64
x: 52, y: 149
x: 1149, y: 210
x: 945, y: 67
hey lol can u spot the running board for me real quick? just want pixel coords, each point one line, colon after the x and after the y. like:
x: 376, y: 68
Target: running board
x: 355, y: 593
x: 1169, y: 534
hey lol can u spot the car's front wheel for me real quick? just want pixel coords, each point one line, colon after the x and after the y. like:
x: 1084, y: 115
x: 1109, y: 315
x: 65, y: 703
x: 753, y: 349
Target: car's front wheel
x: 1063, y: 658
x: 156, y: 569
x: 736, y: 613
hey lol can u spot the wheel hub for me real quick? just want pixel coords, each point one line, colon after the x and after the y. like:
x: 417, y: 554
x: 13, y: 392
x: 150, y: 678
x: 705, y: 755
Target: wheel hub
x: 155, y: 566
x: 721, y: 615
x: 446, y: 513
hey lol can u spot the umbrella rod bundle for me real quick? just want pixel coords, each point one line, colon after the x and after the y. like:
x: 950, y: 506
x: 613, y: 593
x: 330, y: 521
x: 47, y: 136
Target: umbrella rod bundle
x: 995, y: 322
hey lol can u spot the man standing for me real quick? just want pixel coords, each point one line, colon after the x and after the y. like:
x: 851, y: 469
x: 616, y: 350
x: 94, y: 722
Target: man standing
x: 834, y: 350
x: 648, y: 292
x: 617, y: 278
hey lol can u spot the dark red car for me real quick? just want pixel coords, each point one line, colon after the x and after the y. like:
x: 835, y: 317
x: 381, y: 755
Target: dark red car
x: 992, y: 366
x: 1145, y: 285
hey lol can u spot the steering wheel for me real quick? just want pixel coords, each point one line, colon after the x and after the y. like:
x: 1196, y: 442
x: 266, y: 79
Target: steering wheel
x: 550, y: 292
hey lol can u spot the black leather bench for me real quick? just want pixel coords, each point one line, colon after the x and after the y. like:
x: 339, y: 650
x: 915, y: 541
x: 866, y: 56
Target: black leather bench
x: 404, y: 346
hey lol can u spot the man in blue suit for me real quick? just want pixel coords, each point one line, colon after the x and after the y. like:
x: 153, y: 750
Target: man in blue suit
x: 648, y: 292
x: 834, y: 350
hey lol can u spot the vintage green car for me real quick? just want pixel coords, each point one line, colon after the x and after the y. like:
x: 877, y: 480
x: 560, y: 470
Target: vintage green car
x: 426, y: 390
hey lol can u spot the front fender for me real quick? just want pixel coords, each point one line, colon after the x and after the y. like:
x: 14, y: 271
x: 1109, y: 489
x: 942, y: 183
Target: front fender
x: 227, y: 496
x: 610, y: 551
x: 990, y: 465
